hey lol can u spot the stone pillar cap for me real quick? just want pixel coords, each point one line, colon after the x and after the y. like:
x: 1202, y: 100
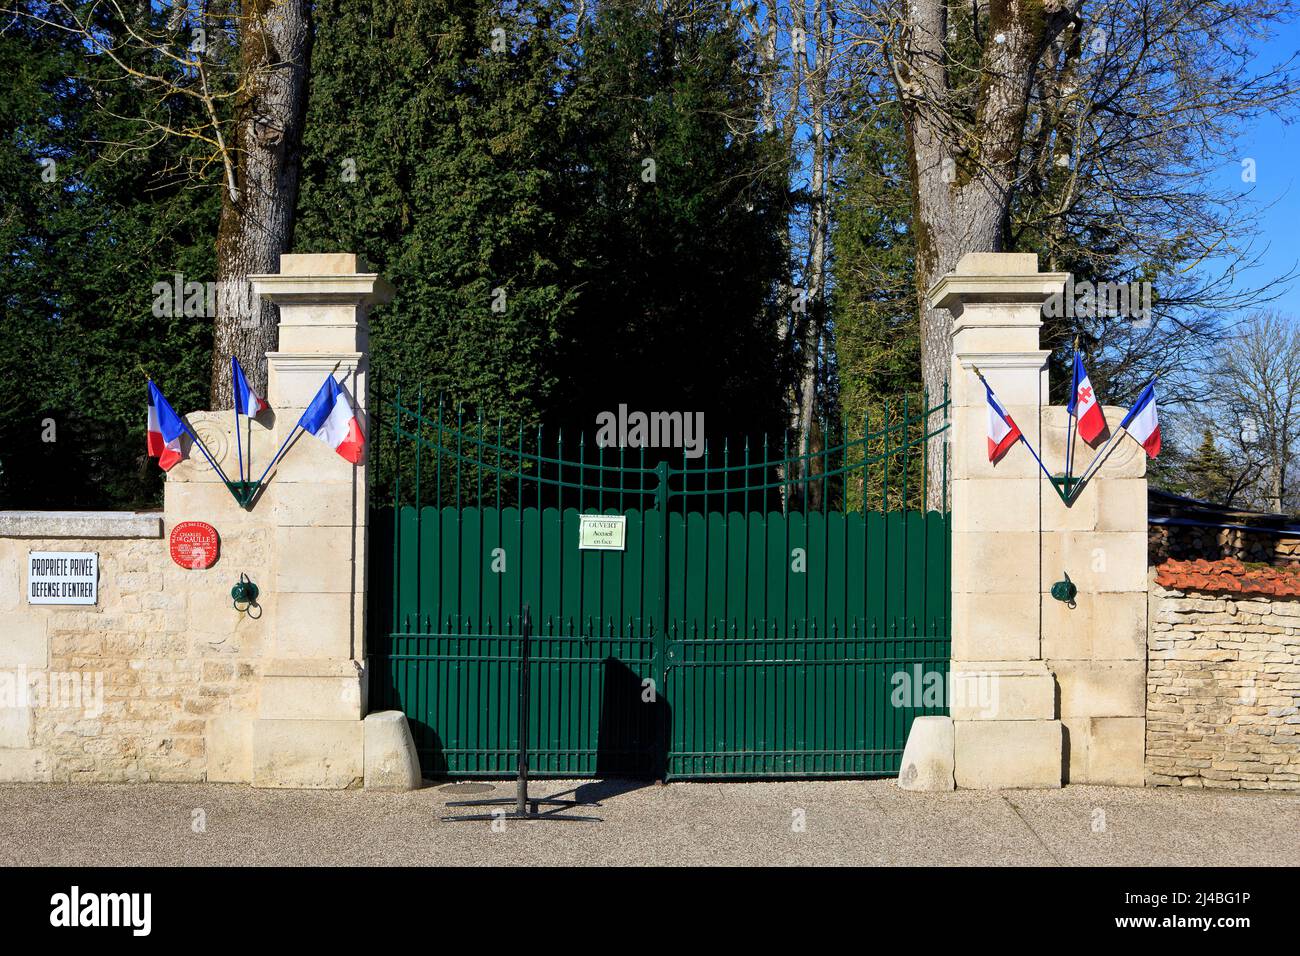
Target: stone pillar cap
x: 323, y: 277
x: 995, y: 277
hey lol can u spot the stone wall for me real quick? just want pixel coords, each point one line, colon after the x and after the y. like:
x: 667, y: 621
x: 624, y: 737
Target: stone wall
x: 1223, y: 677
x: 136, y: 687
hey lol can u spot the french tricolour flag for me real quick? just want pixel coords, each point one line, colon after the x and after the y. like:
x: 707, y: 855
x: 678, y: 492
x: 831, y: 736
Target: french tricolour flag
x: 1084, y: 405
x: 1142, y: 421
x: 331, y: 419
x: 164, y: 430
x: 247, y: 401
x: 1003, y: 432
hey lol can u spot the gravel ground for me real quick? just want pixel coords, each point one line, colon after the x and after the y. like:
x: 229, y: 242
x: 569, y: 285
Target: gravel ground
x: 844, y: 822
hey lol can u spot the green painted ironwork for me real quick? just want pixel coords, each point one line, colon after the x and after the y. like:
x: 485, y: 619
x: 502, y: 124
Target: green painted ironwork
x: 768, y: 616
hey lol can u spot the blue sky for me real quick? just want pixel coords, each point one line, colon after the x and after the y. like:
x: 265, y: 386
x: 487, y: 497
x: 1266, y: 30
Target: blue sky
x: 1275, y: 147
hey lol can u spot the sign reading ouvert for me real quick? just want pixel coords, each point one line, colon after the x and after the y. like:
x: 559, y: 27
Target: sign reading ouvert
x: 62, y: 577
x: 602, y: 532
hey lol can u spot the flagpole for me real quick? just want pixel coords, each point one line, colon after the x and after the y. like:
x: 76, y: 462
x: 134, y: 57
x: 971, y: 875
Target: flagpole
x: 280, y: 452
x: 1096, y: 461
x: 203, y: 448
x: 239, y: 442
x: 1071, y: 427
x: 297, y: 426
x: 1122, y: 430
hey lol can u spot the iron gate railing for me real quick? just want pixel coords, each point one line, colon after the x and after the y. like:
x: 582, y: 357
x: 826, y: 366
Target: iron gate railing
x: 756, y: 623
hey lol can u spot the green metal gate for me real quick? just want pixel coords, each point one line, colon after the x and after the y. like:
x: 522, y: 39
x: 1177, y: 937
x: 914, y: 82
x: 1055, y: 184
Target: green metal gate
x: 767, y: 616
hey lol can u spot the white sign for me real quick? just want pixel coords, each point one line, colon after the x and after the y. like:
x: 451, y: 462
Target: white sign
x: 62, y: 577
x: 602, y: 532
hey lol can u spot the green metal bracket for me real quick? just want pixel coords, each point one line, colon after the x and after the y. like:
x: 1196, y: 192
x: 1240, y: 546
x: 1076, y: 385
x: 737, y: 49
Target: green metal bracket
x: 244, y: 592
x: 244, y: 491
x: 1065, y: 486
x: 1065, y: 591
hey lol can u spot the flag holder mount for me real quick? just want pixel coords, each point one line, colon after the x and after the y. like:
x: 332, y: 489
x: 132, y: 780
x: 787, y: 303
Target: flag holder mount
x: 1065, y: 486
x: 244, y: 491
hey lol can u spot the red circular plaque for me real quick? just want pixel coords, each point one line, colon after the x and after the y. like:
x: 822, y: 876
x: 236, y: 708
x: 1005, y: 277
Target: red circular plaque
x: 195, y: 545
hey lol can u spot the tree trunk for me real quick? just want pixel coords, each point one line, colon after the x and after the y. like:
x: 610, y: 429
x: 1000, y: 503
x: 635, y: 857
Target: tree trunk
x: 257, y: 214
x: 963, y: 173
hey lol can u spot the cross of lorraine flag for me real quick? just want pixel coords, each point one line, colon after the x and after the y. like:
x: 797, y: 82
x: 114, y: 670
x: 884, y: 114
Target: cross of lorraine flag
x: 1084, y: 405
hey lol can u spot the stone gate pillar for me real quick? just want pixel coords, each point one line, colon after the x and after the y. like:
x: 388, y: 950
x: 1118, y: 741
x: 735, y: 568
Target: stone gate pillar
x: 308, y: 731
x: 1041, y: 692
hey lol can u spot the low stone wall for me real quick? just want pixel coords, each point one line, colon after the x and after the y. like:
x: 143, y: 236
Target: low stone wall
x: 1223, y: 677
x: 137, y: 687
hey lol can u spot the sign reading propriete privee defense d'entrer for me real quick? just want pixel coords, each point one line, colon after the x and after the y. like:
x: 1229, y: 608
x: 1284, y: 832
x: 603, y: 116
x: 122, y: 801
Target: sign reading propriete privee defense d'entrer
x: 62, y: 577
x: 602, y: 532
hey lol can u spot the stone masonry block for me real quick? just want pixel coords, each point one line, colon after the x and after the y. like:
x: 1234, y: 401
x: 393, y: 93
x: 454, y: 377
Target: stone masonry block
x: 15, y: 727
x: 310, y: 698
x: 308, y: 504
x: 230, y: 748
x: 1108, y: 751
x: 23, y: 643
x: 1007, y: 754
x: 308, y: 754
x: 995, y: 627
x: 1101, y: 688
x: 1096, y: 561
x: 997, y: 562
x: 969, y: 456
x: 24, y: 766
x: 996, y: 504
x: 1101, y: 626
x: 1002, y: 691
x: 315, y: 559
x: 1121, y: 504
x: 312, y: 625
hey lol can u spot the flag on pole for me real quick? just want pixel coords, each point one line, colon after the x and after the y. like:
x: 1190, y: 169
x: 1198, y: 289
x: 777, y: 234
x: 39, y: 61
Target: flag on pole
x: 331, y: 418
x: 1003, y: 432
x: 1143, y: 422
x: 247, y: 401
x: 164, y: 430
x: 1084, y: 405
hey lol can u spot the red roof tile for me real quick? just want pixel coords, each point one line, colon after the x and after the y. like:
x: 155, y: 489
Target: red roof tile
x: 1228, y: 575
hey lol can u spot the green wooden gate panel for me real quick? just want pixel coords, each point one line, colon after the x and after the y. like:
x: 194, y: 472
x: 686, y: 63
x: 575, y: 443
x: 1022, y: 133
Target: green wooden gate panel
x: 723, y: 641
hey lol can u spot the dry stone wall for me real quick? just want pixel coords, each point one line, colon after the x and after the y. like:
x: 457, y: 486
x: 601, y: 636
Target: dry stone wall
x: 1223, y: 677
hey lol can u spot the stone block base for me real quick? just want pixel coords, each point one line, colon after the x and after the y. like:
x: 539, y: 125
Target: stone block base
x: 1106, y: 750
x: 308, y: 754
x: 928, y: 755
x: 1007, y: 754
x: 391, y: 761
x: 230, y: 749
x: 23, y: 766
